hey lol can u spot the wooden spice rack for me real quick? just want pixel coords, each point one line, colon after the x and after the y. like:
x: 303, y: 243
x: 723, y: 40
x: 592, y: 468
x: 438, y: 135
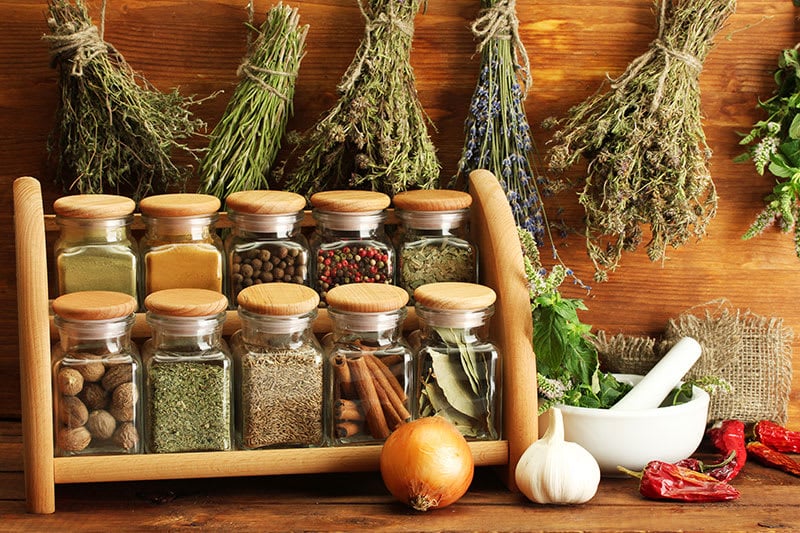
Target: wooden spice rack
x: 501, y: 268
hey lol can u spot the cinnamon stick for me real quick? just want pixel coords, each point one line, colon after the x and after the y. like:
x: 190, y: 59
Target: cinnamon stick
x: 370, y: 403
x: 342, y: 378
x: 347, y: 411
x: 348, y: 429
x: 386, y: 383
x: 381, y: 368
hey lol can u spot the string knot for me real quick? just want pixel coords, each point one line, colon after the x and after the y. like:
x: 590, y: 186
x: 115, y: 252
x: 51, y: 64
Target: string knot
x: 79, y: 46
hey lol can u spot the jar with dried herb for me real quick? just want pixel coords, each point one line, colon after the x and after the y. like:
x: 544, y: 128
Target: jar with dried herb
x: 180, y: 247
x: 433, y: 243
x: 279, y: 368
x: 97, y: 375
x: 350, y: 244
x: 188, y: 373
x: 95, y: 250
x: 266, y: 243
x: 456, y: 364
x: 369, y: 362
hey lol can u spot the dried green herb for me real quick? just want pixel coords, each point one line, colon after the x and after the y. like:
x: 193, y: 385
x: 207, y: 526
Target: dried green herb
x: 247, y: 138
x: 375, y: 137
x: 115, y: 132
x: 436, y: 260
x: 644, y: 142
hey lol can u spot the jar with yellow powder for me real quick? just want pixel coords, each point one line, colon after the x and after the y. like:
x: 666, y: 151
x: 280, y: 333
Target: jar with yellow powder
x: 180, y: 248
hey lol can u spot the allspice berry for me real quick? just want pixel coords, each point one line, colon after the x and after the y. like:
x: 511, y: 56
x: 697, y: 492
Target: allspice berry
x: 72, y: 412
x: 101, y: 424
x: 73, y: 439
x: 70, y: 381
x: 126, y: 436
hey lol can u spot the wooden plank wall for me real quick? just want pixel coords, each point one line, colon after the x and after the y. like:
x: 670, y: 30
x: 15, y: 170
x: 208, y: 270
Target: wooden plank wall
x: 573, y: 44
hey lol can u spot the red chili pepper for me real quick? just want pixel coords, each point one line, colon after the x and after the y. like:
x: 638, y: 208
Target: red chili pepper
x: 728, y: 437
x: 777, y: 437
x: 773, y: 458
x: 667, y: 481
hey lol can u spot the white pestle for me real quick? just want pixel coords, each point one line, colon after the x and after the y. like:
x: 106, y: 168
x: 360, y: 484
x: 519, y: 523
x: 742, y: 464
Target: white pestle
x: 662, y: 378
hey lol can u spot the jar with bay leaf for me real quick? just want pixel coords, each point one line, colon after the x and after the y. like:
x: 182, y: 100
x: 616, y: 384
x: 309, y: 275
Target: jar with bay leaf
x: 369, y: 362
x: 95, y: 249
x: 180, y: 247
x: 97, y: 375
x: 279, y: 368
x: 188, y: 373
x: 433, y: 243
x: 456, y: 365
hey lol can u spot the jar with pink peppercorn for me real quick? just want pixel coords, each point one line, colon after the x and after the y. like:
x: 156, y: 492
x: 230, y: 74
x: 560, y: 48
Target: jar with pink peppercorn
x: 350, y: 244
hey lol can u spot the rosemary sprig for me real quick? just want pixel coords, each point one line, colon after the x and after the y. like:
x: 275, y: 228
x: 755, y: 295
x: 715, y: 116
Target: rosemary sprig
x: 246, y: 140
x: 375, y: 137
x: 644, y: 142
x: 115, y: 132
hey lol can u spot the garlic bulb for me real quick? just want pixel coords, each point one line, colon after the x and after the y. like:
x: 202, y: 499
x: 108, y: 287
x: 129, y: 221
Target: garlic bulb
x: 555, y: 471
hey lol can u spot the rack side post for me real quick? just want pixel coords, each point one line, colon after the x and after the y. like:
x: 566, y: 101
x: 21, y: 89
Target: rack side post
x: 34, y: 349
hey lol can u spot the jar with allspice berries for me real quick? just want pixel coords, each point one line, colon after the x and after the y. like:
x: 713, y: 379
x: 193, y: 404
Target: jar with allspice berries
x: 97, y: 375
x: 369, y: 362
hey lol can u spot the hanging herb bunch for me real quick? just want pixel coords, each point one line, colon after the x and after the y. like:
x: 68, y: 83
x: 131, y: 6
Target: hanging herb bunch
x: 247, y: 138
x: 375, y: 137
x: 644, y: 142
x: 115, y: 132
x: 777, y: 150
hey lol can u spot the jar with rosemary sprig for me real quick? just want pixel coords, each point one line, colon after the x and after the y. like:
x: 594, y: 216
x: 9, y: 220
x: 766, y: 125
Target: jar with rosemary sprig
x: 457, y: 365
x: 433, y: 242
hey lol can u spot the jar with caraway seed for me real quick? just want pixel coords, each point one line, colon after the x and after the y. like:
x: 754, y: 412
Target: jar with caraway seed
x: 279, y: 368
x: 433, y: 243
x: 350, y: 244
x: 266, y: 243
x: 97, y: 375
x: 457, y: 366
x: 369, y: 363
x: 95, y: 249
x: 188, y: 373
x: 180, y: 247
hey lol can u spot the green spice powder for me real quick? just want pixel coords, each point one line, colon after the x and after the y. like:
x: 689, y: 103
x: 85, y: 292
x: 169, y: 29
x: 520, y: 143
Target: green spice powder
x: 92, y: 268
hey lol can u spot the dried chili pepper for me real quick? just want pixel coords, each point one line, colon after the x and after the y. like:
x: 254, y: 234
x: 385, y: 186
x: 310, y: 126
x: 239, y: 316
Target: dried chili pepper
x: 729, y: 438
x: 777, y: 437
x: 668, y: 481
x: 773, y: 458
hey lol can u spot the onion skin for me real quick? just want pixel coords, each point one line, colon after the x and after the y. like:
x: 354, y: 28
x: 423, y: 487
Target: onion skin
x: 427, y: 463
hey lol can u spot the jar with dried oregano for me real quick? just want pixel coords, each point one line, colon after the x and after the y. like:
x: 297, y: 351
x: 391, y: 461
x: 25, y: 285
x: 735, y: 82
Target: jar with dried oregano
x: 266, y: 243
x: 188, y: 373
x: 433, y: 243
x: 456, y: 364
x: 97, y: 375
x: 279, y: 368
x: 369, y: 363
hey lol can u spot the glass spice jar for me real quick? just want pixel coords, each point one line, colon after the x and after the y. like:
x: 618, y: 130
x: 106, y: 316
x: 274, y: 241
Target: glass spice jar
x: 180, y: 247
x: 188, y: 373
x: 350, y: 244
x: 279, y: 368
x: 95, y: 249
x: 456, y: 365
x: 369, y: 363
x: 266, y: 243
x: 433, y: 241
x: 97, y: 375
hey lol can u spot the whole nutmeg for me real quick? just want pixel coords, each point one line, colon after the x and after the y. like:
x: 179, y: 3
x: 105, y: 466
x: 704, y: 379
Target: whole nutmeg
x: 72, y: 412
x: 101, y: 424
x: 69, y: 381
x: 91, y: 371
x: 125, y: 395
x: 94, y: 396
x: 116, y: 375
x: 73, y: 439
x: 126, y: 436
x: 122, y: 413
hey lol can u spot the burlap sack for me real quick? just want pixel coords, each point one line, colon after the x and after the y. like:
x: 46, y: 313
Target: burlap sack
x: 751, y: 353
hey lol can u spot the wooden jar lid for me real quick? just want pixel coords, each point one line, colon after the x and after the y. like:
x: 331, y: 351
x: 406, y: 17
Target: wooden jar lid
x: 350, y: 201
x: 367, y: 297
x: 454, y: 295
x: 265, y: 202
x: 186, y: 302
x: 432, y: 200
x: 278, y: 299
x: 94, y: 305
x: 179, y: 205
x: 94, y: 206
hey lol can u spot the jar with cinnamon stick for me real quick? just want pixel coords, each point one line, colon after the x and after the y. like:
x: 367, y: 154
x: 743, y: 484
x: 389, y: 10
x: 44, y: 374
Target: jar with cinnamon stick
x: 370, y: 364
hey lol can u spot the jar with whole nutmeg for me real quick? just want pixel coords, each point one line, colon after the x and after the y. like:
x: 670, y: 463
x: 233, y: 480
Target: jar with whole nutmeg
x: 97, y: 375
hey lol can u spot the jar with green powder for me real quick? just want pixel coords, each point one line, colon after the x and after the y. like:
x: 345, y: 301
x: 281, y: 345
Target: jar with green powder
x: 188, y: 373
x: 95, y: 249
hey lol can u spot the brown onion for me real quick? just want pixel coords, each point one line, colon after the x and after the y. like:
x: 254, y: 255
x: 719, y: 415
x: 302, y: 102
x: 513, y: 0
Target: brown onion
x: 427, y: 463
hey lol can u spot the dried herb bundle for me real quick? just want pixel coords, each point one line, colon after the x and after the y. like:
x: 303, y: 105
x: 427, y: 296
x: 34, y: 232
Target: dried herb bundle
x: 115, y: 132
x: 247, y: 138
x: 644, y: 142
x: 375, y: 137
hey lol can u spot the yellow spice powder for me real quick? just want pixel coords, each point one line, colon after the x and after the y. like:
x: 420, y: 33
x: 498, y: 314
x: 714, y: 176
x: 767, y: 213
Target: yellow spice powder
x: 197, y: 266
